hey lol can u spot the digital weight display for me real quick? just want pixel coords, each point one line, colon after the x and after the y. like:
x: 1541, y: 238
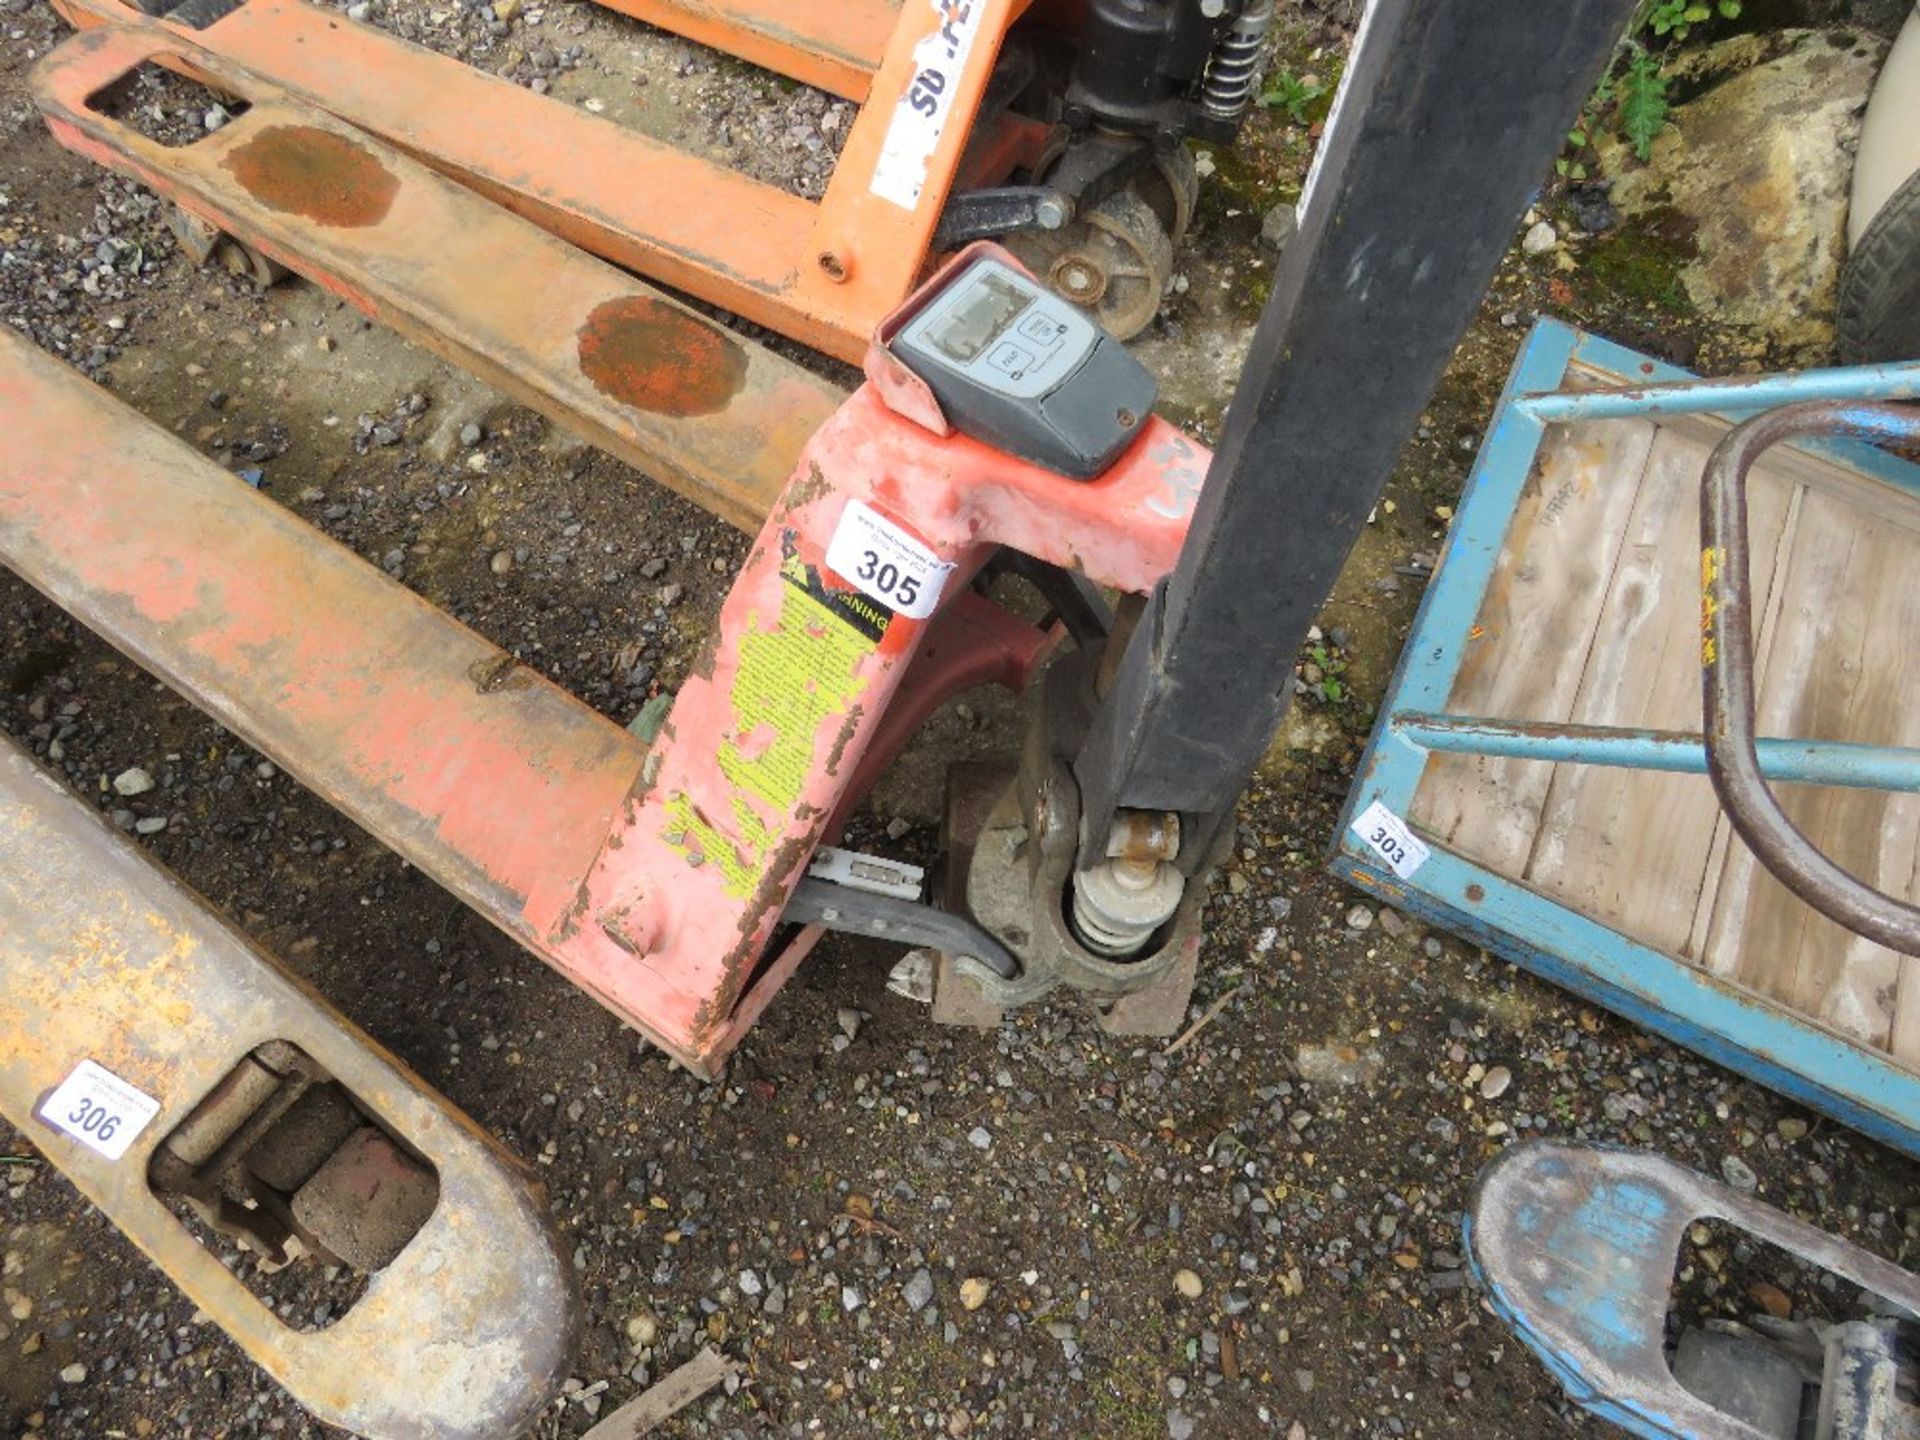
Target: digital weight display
x: 989, y: 306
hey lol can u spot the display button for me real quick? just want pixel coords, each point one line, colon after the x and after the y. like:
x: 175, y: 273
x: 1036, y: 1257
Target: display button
x: 1011, y: 360
x: 1043, y: 330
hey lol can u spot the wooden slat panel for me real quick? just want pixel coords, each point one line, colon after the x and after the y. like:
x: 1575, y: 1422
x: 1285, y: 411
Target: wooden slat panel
x: 1536, y: 626
x: 1905, y: 1041
x: 1765, y: 628
x: 1843, y: 665
x: 1592, y: 617
x: 1776, y: 651
x: 1631, y: 847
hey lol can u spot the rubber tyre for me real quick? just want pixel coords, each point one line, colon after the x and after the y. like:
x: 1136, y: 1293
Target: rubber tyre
x: 1880, y: 287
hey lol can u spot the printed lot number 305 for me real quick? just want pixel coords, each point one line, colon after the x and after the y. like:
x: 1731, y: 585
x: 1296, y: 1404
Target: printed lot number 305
x: 902, y: 589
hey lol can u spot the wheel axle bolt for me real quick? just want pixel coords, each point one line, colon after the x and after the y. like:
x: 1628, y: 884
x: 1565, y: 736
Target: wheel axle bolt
x: 1051, y: 212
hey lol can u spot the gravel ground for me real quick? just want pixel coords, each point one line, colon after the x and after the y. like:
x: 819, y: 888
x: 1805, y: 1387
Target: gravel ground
x: 901, y: 1230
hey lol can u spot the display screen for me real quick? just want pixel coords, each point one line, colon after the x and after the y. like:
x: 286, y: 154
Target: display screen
x: 990, y: 304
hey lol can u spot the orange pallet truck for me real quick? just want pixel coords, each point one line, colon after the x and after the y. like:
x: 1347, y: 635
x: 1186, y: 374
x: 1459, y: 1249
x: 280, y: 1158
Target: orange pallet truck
x: 1056, y: 127
x: 173, y: 1070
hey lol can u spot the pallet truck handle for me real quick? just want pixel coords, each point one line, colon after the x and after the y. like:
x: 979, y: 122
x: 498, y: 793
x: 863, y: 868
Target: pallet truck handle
x: 1727, y: 669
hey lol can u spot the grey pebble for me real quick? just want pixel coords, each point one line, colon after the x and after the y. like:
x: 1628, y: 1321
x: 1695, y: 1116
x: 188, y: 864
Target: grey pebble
x: 918, y: 1291
x: 132, y: 781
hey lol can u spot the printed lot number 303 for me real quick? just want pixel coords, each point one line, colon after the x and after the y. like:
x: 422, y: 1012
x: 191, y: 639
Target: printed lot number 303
x: 1391, y: 850
x: 1389, y: 837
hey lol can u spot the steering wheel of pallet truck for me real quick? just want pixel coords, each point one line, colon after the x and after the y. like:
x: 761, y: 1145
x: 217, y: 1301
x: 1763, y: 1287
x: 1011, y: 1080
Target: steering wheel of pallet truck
x: 1879, y: 315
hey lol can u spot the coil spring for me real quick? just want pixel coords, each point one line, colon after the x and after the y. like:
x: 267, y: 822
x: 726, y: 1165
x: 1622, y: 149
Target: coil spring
x: 1234, y: 67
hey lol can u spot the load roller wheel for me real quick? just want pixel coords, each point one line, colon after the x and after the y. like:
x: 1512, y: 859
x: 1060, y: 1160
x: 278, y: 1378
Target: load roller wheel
x: 1114, y: 262
x: 243, y: 260
x: 1172, y: 187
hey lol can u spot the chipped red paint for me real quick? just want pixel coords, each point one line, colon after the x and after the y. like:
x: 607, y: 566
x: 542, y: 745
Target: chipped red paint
x: 963, y: 500
x: 315, y: 174
x: 971, y: 643
x: 648, y: 353
x: 654, y: 880
x: 336, y: 672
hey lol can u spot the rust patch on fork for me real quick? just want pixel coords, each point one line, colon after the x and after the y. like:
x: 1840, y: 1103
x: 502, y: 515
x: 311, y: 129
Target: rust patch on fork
x: 654, y: 356
x: 315, y: 174
x: 495, y: 673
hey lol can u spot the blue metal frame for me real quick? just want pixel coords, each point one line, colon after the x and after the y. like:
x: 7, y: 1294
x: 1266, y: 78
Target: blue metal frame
x: 1732, y: 1027
x: 1618, y: 1410
x: 1806, y: 762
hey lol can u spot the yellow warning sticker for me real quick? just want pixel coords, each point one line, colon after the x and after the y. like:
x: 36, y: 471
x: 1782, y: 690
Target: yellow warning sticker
x: 792, y: 680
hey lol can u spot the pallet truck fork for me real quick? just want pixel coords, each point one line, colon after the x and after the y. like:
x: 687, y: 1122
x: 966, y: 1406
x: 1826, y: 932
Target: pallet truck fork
x: 1059, y: 129
x: 167, y: 1066
x: 1577, y: 1248
x: 679, y: 881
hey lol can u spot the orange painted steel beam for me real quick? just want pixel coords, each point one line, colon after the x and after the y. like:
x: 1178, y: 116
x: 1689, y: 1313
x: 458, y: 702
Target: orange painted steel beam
x: 823, y: 274
x: 834, y: 45
x: 648, y: 206
x: 676, y: 395
x: 478, y: 771
x: 874, y: 228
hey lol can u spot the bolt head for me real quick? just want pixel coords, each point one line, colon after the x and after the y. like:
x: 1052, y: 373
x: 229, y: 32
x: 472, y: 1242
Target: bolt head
x: 1051, y: 212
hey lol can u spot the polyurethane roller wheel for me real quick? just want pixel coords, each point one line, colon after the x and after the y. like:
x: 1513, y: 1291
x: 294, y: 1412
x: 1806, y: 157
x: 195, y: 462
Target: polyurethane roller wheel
x: 243, y: 260
x: 1114, y: 262
x: 1171, y: 185
x: 1880, y: 288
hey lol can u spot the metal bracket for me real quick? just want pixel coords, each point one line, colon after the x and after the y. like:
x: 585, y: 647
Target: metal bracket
x: 1001, y: 210
x: 1018, y: 860
x: 884, y: 917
